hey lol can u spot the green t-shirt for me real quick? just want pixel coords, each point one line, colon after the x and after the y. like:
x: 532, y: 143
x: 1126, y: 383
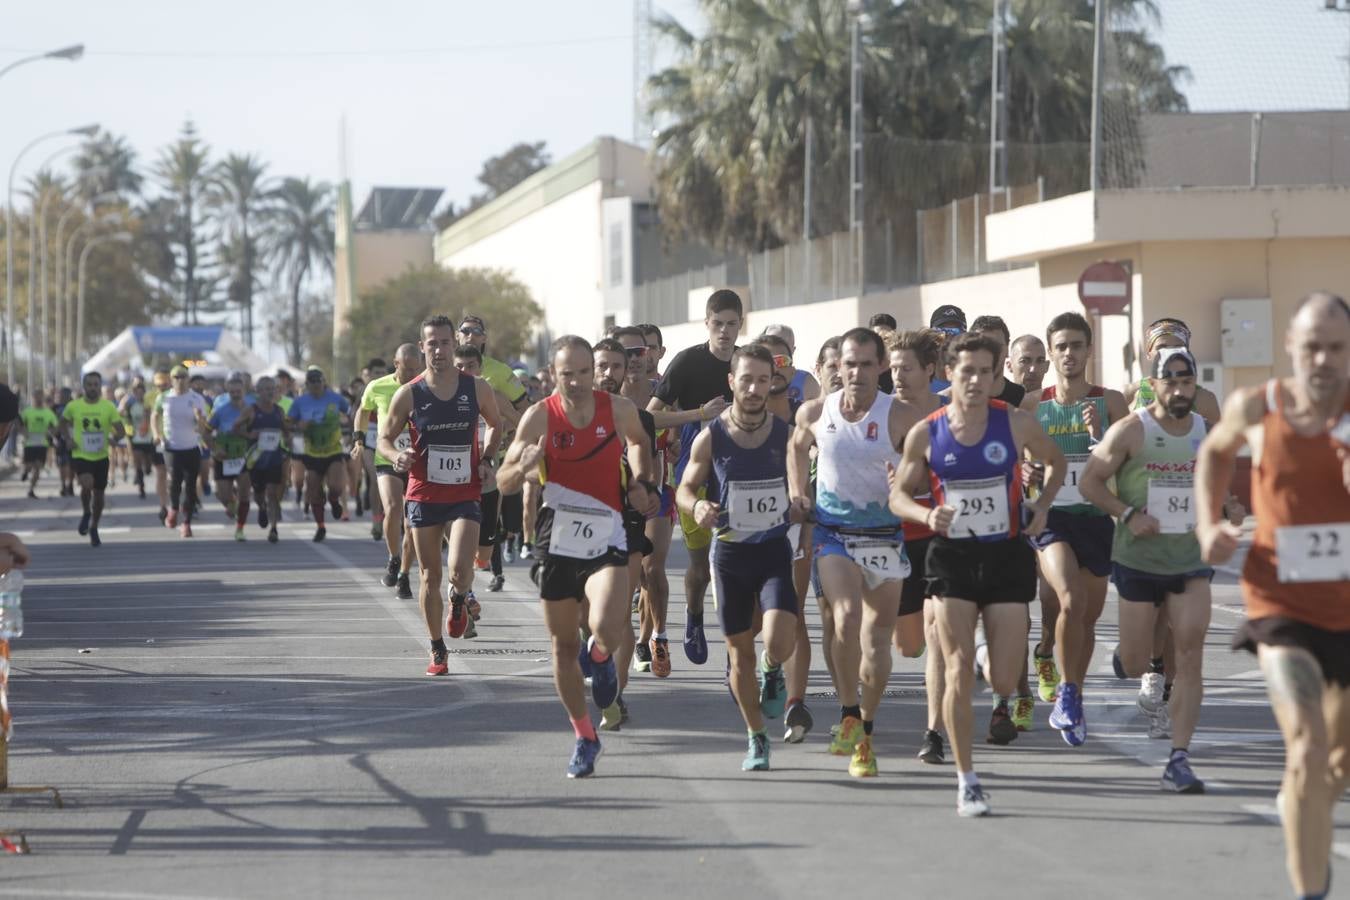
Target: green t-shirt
x: 36, y: 423
x: 379, y: 394
x: 499, y: 375
x: 91, y: 426
x: 1161, y: 479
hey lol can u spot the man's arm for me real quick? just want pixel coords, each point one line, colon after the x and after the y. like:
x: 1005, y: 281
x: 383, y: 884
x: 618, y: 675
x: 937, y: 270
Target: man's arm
x: 799, y: 457
x: 913, y: 470
x: 1122, y: 440
x: 1214, y: 468
x: 487, y: 408
x: 400, y: 407
x: 702, y: 511
x: 522, y: 457
x: 1027, y: 431
x: 644, y: 494
x: 810, y: 387
x: 1116, y: 407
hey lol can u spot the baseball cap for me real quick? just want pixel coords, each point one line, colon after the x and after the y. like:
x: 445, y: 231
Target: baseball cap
x: 947, y: 315
x: 313, y: 375
x: 1159, y: 362
x: 178, y: 371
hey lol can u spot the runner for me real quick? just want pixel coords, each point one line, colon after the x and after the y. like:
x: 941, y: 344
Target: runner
x: 1297, y: 593
x: 161, y: 383
x: 1074, y: 549
x: 827, y: 372
x: 353, y: 450
x: 1026, y: 365
x: 392, y: 485
x: 1156, y: 564
x: 742, y: 464
x: 263, y: 425
x: 37, y: 423
x: 571, y: 442
x: 860, y: 555
x: 978, y: 562
x: 197, y: 384
x: 697, y: 380
x: 319, y: 412
x: 446, y: 465
x: 61, y: 448
x: 135, y: 414
x: 87, y: 423
x: 1165, y: 334
x: 229, y: 449
x: 374, y: 501
x: 177, y: 422
x: 950, y: 321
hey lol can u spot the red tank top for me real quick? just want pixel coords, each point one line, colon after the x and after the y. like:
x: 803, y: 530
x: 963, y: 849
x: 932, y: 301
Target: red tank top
x: 585, y: 458
x: 1297, y: 482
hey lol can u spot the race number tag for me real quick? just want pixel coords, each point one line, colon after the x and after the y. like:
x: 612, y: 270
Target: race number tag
x: 981, y: 507
x: 1313, y: 552
x: 231, y: 467
x: 36, y: 439
x: 1171, y: 501
x: 756, y: 505
x: 449, y: 465
x: 269, y: 440
x: 1069, y: 494
x: 92, y: 441
x: 878, y: 556
x: 298, y: 445
x: 403, y: 441
x: 372, y: 433
x: 580, y: 532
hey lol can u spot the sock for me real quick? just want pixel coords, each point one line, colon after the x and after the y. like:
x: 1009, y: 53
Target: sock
x: 439, y: 644
x: 395, y: 560
x: 695, y: 620
x: 1156, y: 664
x: 661, y: 636
x: 867, y: 727
x: 966, y: 779
x: 1182, y: 752
x: 751, y: 732
x: 764, y: 663
x: 1000, y: 700
x: 584, y: 728
x: 1167, y: 691
x: 846, y: 711
x: 317, y: 509
x: 596, y: 655
x: 243, y: 514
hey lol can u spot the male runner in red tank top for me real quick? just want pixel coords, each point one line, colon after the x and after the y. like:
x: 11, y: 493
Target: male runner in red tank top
x: 572, y: 443
x: 1296, y: 580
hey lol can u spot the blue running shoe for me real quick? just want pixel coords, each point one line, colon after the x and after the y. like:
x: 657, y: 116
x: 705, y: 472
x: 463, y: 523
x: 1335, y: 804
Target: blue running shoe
x: 1178, y: 777
x: 1061, y: 717
x: 604, y: 678
x: 772, y: 690
x: 583, y: 759
x: 757, y: 758
x: 1076, y: 734
x: 584, y: 660
x: 695, y: 644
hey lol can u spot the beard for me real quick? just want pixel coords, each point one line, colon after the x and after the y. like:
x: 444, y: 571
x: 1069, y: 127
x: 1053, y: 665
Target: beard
x: 608, y: 385
x: 1180, y: 407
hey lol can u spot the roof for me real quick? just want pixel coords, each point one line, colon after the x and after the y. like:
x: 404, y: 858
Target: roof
x: 398, y: 207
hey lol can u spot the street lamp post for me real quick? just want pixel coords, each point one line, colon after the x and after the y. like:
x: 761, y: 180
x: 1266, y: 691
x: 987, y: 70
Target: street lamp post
x: 67, y: 338
x: 60, y: 316
x: 122, y: 237
x: 37, y: 222
x: 72, y: 53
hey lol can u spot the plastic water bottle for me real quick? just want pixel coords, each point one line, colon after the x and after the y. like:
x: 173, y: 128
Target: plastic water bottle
x: 11, y: 604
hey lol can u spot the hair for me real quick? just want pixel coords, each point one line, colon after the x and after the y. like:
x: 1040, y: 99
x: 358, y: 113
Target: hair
x: 886, y: 320
x: 833, y: 343
x: 1023, y: 338
x: 569, y: 342
x: 407, y: 350
x: 266, y: 381
x: 624, y: 331
x: 648, y: 328
x: 992, y: 323
x: 724, y: 300
x: 478, y: 320
x: 969, y: 342
x: 469, y: 351
x: 436, y: 322
x: 376, y: 362
x: 922, y: 342
x: 865, y: 336
x: 753, y: 350
x: 97, y: 374
x: 1068, y: 321
x: 776, y: 340
x: 609, y: 345
x: 282, y: 373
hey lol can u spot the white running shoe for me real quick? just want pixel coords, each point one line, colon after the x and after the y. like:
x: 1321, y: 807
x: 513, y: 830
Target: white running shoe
x: 1151, y: 693
x: 972, y: 803
x: 1160, y: 724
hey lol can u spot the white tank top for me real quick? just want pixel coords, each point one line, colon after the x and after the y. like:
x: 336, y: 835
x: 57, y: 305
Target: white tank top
x: 852, y: 490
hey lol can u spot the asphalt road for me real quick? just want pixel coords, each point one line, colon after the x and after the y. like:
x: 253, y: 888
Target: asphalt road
x: 252, y: 720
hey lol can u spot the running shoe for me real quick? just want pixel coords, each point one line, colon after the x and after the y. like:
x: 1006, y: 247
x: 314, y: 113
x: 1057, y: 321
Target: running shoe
x: 319, y: 534
x: 171, y: 519
x: 932, y: 750
x: 509, y: 553
x: 439, y: 665
x: 1047, y: 678
x: 772, y: 689
x: 637, y: 597
x: 1116, y: 665
x: 163, y: 515
x: 206, y: 489
x: 1061, y: 717
x: 1178, y: 777
x: 584, y: 660
x: 850, y: 732
x: 474, y: 607
x: 863, y: 764
x: 239, y: 533
x: 404, y: 589
x: 231, y: 510
x: 660, y: 651
x: 1022, y: 710
x: 972, y: 802
x: 796, y: 723
x: 1151, y: 692
x: 623, y: 710
x: 611, y: 717
x: 272, y: 535
x: 376, y: 531
x: 186, y: 530
x: 695, y: 644
x: 604, y: 678
x: 338, y: 511
x: 642, y: 658
x: 93, y: 538
x: 497, y: 583
x: 583, y: 759
x: 84, y: 524
x: 1160, y: 724
x: 390, y: 576
x: 457, y: 620
x: 757, y: 756
x: 1002, y: 731
x: 262, y: 515
x: 470, y: 630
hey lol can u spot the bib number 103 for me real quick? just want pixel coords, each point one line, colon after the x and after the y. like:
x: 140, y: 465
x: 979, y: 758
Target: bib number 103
x: 448, y: 465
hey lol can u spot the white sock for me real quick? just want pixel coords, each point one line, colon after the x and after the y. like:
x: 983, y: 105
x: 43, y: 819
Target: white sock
x: 966, y: 779
x: 660, y: 636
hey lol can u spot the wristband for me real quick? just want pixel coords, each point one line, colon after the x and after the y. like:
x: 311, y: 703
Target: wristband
x: 1125, y: 516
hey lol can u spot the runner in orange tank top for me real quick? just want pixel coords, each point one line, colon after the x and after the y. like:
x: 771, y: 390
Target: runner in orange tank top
x: 1296, y: 580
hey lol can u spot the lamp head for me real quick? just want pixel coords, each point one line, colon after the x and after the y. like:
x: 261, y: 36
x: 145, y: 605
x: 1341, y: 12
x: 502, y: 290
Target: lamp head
x: 86, y: 131
x: 72, y: 53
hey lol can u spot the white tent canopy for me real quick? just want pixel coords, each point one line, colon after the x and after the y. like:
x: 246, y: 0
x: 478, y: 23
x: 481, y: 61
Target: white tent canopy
x: 127, y: 347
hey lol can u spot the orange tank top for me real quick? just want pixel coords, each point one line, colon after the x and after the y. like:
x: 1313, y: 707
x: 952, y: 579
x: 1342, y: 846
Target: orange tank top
x: 1297, y: 482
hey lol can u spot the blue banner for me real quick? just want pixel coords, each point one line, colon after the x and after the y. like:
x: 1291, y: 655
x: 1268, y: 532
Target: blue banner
x: 187, y: 339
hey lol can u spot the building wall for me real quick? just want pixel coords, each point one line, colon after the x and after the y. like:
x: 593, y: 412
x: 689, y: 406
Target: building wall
x: 381, y: 255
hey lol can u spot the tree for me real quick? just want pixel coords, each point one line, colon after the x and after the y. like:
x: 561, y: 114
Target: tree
x: 106, y: 164
x: 498, y: 175
x: 301, y: 239
x: 183, y: 171
x: 238, y: 197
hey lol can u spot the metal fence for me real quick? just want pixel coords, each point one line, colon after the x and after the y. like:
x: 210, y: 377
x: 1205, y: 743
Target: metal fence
x: 665, y: 301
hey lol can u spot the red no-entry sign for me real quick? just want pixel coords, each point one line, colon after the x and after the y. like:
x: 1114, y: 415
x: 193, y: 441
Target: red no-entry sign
x: 1105, y: 288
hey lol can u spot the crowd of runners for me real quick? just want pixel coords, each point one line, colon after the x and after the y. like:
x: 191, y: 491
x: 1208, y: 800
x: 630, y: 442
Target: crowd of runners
x: 925, y: 486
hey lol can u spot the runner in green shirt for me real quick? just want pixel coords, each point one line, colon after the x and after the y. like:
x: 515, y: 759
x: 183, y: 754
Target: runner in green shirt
x: 89, y: 422
x: 37, y: 423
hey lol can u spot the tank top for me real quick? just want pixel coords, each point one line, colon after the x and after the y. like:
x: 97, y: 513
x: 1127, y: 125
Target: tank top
x: 582, y: 500
x: 750, y: 485
x: 267, y: 452
x: 1143, y: 395
x: 138, y: 416
x: 1161, y: 478
x: 445, y: 441
x: 917, y: 531
x: 1065, y: 426
x: 796, y: 391
x: 982, y: 482
x: 852, y: 490
x: 1294, y: 568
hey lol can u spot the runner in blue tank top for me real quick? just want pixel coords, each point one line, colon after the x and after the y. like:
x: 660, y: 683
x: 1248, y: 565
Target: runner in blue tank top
x: 265, y: 426
x: 979, y: 562
x: 742, y: 459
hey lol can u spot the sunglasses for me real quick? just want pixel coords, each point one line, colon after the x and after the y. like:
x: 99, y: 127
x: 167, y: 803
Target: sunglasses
x: 635, y: 352
x: 951, y: 330
x: 781, y: 362
x: 176, y: 377
x: 472, y: 330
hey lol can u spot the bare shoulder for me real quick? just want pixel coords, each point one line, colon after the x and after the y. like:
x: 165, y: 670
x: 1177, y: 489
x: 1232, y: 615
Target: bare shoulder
x: 810, y: 411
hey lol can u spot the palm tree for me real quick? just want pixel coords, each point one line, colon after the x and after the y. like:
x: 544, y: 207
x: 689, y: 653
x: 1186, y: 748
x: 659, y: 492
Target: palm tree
x: 301, y: 239
x: 105, y: 164
x: 238, y: 197
x: 183, y: 170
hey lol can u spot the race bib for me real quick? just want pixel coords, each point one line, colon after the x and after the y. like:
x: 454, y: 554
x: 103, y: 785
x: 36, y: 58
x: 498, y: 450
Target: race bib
x: 981, y: 507
x: 403, y: 442
x: 372, y: 433
x: 878, y: 556
x: 269, y: 439
x: 449, y: 465
x: 756, y: 505
x: 36, y: 440
x: 92, y: 441
x: 1313, y: 552
x: 580, y: 532
x: 1172, y: 502
x: 231, y: 467
x: 1069, y: 494
x: 298, y: 445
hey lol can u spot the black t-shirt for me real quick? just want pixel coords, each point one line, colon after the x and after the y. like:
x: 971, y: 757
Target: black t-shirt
x: 1012, y: 394
x: 693, y: 378
x: 885, y: 384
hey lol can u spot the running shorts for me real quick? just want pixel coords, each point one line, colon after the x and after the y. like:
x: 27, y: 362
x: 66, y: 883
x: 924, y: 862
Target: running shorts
x: 98, y: 468
x: 424, y: 514
x: 1089, y: 536
x: 1145, y: 587
x: 1331, y: 649
x: 746, y: 574
x: 983, y: 572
